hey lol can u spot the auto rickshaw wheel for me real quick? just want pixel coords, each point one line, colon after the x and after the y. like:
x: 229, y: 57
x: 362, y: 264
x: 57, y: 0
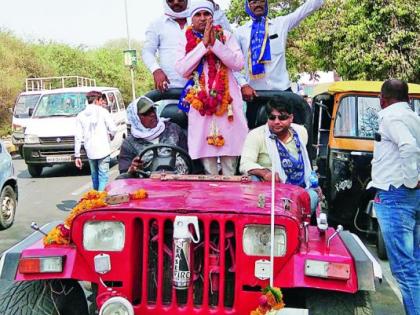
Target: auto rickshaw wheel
x: 380, y: 244
x: 49, y: 297
x: 333, y: 303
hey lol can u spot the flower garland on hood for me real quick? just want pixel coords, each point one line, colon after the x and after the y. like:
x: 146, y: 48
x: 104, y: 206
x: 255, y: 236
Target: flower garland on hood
x: 60, y: 235
x: 213, y: 99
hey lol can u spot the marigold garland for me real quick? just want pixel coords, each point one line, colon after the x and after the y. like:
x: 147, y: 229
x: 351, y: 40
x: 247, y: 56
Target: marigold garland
x: 214, y: 99
x: 270, y: 301
x: 60, y: 235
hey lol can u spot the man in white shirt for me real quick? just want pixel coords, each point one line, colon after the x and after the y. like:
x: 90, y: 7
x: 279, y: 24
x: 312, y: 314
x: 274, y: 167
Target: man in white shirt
x: 396, y: 176
x: 163, y: 36
x: 95, y: 127
x: 263, y: 43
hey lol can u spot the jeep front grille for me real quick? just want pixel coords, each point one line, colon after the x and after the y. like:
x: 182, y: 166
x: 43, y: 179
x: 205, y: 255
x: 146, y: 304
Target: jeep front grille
x: 213, y: 260
x: 56, y: 140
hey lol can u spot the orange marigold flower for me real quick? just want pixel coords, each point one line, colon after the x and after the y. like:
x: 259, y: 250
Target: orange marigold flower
x: 138, y: 194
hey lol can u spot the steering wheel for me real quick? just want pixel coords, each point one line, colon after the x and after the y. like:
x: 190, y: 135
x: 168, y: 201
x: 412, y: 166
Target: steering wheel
x: 165, y: 157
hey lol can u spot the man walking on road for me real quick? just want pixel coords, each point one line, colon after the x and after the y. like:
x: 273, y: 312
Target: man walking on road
x: 396, y: 176
x: 95, y: 128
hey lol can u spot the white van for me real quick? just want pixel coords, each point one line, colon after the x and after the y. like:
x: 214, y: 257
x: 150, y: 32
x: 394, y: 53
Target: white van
x: 25, y: 102
x: 49, y: 133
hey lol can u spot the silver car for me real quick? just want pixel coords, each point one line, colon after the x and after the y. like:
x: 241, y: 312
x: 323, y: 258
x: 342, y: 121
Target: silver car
x: 8, y: 189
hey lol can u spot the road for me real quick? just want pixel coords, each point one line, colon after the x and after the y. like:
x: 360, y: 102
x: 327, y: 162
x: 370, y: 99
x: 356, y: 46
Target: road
x: 55, y: 193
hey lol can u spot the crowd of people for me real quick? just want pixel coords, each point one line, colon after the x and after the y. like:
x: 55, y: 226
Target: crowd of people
x: 192, y: 47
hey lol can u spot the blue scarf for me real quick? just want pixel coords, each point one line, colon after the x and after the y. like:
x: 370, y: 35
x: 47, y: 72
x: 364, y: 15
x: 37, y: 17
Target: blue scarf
x: 182, y: 103
x: 293, y: 168
x: 259, y: 46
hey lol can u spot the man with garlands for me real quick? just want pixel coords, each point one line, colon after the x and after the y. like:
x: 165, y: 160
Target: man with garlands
x: 216, y: 123
x: 163, y: 36
x: 263, y: 43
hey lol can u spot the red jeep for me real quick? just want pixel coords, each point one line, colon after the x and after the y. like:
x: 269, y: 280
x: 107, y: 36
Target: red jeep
x: 142, y: 256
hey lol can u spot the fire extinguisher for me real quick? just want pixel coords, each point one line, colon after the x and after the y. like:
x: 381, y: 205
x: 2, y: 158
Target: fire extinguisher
x: 182, y: 250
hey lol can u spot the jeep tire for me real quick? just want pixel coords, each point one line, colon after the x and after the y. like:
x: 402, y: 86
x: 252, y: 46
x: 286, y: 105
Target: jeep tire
x: 8, y: 204
x: 333, y: 303
x: 35, y: 170
x: 50, y: 297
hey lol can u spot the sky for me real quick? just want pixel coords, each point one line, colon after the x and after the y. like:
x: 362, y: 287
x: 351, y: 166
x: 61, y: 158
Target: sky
x: 80, y: 22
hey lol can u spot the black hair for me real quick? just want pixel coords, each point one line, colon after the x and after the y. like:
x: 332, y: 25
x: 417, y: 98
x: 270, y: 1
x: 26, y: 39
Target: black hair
x: 92, y: 96
x: 395, y: 89
x: 278, y: 104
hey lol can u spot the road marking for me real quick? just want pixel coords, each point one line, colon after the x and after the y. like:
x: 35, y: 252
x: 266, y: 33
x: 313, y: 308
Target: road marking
x: 88, y: 185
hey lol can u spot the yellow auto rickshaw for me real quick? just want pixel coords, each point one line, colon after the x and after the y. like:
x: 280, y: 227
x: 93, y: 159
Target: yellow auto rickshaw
x: 344, y: 126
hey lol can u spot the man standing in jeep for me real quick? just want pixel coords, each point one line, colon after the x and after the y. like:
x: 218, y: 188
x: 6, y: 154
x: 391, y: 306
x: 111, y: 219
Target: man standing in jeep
x: 263, y: 43
x: 163, y: 36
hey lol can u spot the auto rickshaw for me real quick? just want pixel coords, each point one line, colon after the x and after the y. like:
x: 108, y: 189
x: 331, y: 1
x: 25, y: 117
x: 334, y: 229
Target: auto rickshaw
x: 344, y: 126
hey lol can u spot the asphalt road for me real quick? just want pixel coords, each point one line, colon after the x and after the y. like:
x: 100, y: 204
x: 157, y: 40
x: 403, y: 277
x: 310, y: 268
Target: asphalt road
x: 55, y: 193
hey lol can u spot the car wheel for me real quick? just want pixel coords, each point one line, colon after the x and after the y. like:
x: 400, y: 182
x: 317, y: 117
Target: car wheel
x: 35, y: 170
x: 52, y: 297
x: 8, y: 204
x: 333, y: 303
x: 380, y: 245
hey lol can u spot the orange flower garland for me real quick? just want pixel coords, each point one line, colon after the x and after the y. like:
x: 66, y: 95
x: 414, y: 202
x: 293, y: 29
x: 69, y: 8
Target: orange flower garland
x: 270, y: 301
x: 215, y: 99
x: 60, y: 235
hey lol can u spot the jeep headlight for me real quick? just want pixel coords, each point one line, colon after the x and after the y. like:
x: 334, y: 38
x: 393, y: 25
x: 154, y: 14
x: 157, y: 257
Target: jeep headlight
x: 256, y: 240
x: 31, y: 139
x: 103, y: 236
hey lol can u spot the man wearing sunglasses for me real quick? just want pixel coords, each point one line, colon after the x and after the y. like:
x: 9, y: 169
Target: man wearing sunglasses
x: 284, y: 141
x: 263, y: 43
x: 162, y: 38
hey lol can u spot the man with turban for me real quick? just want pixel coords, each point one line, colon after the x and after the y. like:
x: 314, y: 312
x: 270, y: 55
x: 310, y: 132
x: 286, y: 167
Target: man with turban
x: 216, y: 123
x: 163, y: 36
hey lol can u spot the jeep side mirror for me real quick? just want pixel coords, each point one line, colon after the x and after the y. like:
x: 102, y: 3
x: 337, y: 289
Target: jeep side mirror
x: 30, y: 112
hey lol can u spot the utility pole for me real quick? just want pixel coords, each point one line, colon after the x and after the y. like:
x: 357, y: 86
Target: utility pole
x: 132, y: 65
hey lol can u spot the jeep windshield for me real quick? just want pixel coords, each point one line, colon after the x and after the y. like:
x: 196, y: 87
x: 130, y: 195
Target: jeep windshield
x: 24, y: 103
x: 60, y: 104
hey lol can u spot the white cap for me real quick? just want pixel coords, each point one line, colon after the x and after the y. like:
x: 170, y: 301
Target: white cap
x: 201, y: 5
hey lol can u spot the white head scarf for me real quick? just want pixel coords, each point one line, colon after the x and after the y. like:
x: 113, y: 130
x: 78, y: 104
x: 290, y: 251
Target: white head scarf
x: 176, y: 15
x: 201, y: 5
x: 137, y: 128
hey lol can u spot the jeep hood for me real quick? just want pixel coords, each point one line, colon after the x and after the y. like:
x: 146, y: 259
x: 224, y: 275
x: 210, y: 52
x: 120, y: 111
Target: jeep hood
x: 217, y: 197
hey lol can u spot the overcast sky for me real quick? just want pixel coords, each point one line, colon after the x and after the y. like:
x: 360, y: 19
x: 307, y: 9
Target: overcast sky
x: 75, y: 22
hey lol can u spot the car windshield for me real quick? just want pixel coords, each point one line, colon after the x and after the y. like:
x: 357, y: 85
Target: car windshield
x: 357, y: 117
x: 24, y: 103
x: 60, y: 104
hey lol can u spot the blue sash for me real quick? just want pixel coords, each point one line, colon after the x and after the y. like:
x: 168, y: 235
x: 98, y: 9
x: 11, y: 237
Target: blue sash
x: 293, y: 168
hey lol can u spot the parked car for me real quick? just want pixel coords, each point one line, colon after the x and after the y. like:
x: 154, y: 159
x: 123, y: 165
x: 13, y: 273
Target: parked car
x: 8, y: 189
x: 50, y: 132
x: 344, y: 126
x: 141, y: 255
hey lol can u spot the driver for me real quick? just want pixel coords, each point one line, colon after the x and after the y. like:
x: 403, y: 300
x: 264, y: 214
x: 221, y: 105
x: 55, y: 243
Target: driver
x: 147, y: 129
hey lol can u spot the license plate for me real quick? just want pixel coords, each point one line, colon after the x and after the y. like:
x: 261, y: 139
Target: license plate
x: 59, y: 158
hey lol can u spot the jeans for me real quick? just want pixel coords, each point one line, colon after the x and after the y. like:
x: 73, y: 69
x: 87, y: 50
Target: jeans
x: 99, y: 170
x: 398, y: 213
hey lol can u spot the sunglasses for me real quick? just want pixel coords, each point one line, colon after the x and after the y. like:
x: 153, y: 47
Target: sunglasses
x: 279, y: 117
